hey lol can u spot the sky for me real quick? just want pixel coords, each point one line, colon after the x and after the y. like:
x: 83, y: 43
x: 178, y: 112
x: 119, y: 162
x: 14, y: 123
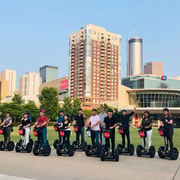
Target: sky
x: 35, y: 33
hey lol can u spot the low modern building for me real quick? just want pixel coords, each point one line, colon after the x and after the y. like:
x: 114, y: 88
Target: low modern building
x: 148, y: 81
x: 153, y: 100
x: 61, y: 84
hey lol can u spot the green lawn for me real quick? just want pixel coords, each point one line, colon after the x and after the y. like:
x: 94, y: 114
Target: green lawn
x: 157, y: 140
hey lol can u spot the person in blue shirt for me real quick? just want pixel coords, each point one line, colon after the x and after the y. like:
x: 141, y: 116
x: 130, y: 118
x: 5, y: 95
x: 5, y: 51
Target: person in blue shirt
x: 60, y: 117
x: 60, y: 120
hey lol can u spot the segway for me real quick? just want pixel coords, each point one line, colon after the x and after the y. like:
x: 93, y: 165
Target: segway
x: 123, y: 150
x: 5, y: 146
x: 37, y: 148
x: 57, y: 141
x: 107, y: 155
x: 163, y: 152
x: 77, y: 145
x: 142, y: 151
x: 19, y: 145
x: 63, y: 147
x: 90, y: 151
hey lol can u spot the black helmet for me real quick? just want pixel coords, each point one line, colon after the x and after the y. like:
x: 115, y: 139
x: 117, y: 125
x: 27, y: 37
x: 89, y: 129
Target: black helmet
x: 146, y: 112
x: 123, y: 111
x: 110, y: 110
x: 166, y: 109
x: 94, y: 109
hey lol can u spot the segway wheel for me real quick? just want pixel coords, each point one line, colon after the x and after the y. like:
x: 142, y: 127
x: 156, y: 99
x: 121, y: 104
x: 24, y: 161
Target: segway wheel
x: 10, y: 146
x: 35, y: 148
x: 161, y: 152
x: 17, y: 147
x: 47, y: 150
x: 31, y: 141
x: 152, y: 151
x: 58, y: 151
x: 87, y: 151
x: 55, y: 144
x: 71, y: 150
x: 138, y: 150
x: 98, y: 151
x: 174, y: 154
x: 29, y: 147
x: 131, y: 149
x: 116, y: 154
x: 120, y: 147
x: 102, y: 154
x: 84, y: 146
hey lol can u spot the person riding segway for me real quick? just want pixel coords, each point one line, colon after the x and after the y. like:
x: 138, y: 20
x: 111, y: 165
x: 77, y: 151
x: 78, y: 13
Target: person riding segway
x: 40, y: 130
x: 93, y: 124
x: 146, y: 132
x: 79, y: 124
x: 64, y: 147
x: 166, y: 130
x: 124, y: 120
x: 56, y: 125
x: 24, y: 143
x: 109, y: 133
x: 6, y: 128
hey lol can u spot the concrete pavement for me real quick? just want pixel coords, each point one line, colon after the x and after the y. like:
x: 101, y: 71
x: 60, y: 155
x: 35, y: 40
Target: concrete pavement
x: 22, y: 165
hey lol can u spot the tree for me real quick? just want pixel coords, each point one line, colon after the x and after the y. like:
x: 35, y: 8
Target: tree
x: 32, y: 108
x: 49, y: 101
x: 76, y: 104
x: 18, y: 99
x: 67, y: 106
x: 14, y: 109
x: 87, y: 113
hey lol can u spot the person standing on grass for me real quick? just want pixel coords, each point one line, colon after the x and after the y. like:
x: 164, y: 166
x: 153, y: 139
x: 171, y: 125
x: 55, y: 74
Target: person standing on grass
x: 79, y: 120
x: 102, y: 115
x: 124, y: 120
x: 167, y: 123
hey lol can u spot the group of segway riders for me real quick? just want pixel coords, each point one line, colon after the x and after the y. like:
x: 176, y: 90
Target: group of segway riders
x: 100, y: 127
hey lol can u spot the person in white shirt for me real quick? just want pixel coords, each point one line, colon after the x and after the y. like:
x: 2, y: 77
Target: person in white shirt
x: 94, y: 124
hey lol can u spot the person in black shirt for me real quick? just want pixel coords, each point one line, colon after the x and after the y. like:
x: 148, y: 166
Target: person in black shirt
x: 80, y: 122
x: 110, y: 124
x: 124, y: 119
x: 167, y: 123
x: 66, y: 126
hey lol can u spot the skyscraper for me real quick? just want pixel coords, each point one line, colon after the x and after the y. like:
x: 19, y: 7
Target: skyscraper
x: 3, y: 88
x: 155, y: 68
x: 29, y: 86
x: 10, y: 77
x: 134, y: 56
x: 94, y: 65
x: 48, y: 73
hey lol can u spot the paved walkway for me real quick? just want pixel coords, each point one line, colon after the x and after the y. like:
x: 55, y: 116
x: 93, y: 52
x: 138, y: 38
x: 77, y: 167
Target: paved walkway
x: 19, y: 166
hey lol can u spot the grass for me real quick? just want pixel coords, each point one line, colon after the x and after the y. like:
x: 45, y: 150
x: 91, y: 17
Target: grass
x: 157, y: 140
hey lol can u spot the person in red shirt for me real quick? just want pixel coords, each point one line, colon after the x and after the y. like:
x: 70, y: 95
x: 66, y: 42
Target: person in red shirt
x: 41, y: 123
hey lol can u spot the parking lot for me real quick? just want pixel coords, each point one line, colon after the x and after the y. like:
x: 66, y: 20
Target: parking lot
x: 22, y: 165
